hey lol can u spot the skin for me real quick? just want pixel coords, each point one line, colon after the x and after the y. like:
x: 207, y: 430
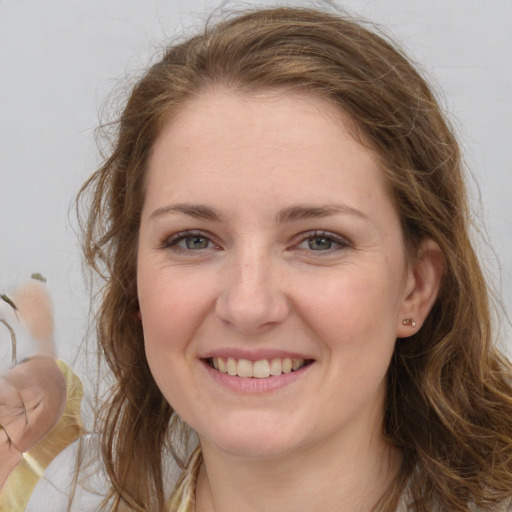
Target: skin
x: 32, y: 393
x: 333, y: 287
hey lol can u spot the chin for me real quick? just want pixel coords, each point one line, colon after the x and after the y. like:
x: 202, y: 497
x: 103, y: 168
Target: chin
x: 253, y: 440
x: 257, y: 449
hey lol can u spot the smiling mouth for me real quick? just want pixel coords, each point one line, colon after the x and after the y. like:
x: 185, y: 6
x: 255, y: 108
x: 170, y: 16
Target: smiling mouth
x: 261, y: 369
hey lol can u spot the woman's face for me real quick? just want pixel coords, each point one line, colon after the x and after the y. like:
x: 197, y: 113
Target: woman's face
x: 268, y: 240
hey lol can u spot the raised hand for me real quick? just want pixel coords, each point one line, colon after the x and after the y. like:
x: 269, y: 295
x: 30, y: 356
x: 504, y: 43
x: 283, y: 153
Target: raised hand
x: 32, y: 388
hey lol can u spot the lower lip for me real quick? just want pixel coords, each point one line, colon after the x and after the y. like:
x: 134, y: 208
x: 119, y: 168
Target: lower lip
x: 253, y: 385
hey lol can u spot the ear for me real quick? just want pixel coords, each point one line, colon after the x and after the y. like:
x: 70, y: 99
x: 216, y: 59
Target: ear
x: 423, y: 281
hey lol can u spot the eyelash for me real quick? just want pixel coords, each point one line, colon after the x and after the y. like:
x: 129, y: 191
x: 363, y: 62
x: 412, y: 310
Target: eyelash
x: 172, y: 241
x: 339, y: 242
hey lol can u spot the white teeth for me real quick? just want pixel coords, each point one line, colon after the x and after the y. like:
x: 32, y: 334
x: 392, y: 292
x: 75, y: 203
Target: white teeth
x: 232, y: 366
x: 260, y: 369
x: 287, y: 365
x: 276, y: 368
x: 244, y: 368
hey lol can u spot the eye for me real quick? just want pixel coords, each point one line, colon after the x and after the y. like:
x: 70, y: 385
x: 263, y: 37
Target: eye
x: 195, y: 242
x: 322, y: 241
x: 187, y: 241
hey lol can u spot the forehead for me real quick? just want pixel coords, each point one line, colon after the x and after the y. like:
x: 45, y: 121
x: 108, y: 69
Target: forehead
x: 276, y: 143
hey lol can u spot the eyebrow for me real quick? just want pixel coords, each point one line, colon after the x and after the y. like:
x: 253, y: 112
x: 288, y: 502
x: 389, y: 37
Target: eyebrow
x: 300, y: 212
x: 197, y: 211
x: 289, y: 214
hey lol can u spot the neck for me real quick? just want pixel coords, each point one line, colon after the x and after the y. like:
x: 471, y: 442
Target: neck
x: 337, y: 476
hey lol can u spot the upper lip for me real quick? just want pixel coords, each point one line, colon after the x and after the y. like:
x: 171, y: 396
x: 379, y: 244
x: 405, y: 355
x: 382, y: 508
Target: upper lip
x: 253, y: 355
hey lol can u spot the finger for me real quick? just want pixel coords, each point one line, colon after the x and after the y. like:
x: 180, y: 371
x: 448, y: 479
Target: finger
x: 41, y: 388
x: 15, y: 339
x: 35, y: 307
x: 9, y: 457
x: 13, y: 417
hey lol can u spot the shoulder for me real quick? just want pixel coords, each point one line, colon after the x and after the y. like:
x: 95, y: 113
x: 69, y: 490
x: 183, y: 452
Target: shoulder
x: 77, y: 479
x: 505, y: 506
x: 406, y: 500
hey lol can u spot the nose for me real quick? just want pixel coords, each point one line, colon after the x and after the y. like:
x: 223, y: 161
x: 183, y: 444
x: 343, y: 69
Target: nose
x: 252, y: 298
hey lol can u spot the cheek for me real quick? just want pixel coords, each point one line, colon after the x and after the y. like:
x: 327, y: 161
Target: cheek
x: 352, y: 319
x: 352, y: 313
x: 172, y: 308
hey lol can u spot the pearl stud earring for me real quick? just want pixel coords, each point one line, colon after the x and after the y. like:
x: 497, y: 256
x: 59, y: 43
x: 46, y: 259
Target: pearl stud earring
x: 409, y: 322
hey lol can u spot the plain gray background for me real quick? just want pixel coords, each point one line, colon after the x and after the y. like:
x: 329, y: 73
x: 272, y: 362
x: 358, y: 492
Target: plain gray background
x: 60, y: 59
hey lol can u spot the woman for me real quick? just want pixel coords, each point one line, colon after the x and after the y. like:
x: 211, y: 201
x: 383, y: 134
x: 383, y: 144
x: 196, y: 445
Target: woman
x: 283, y: 230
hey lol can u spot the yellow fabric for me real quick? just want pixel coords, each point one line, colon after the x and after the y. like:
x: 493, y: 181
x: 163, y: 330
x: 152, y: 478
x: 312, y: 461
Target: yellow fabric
x: 16, y: 491
x: 183, y: 498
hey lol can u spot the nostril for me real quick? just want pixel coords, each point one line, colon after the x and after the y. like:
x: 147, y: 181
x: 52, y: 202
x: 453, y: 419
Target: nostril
x: 252, y: 312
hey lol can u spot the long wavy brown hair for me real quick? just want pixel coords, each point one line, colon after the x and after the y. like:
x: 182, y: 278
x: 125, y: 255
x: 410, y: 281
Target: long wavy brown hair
x: 449, y: 406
